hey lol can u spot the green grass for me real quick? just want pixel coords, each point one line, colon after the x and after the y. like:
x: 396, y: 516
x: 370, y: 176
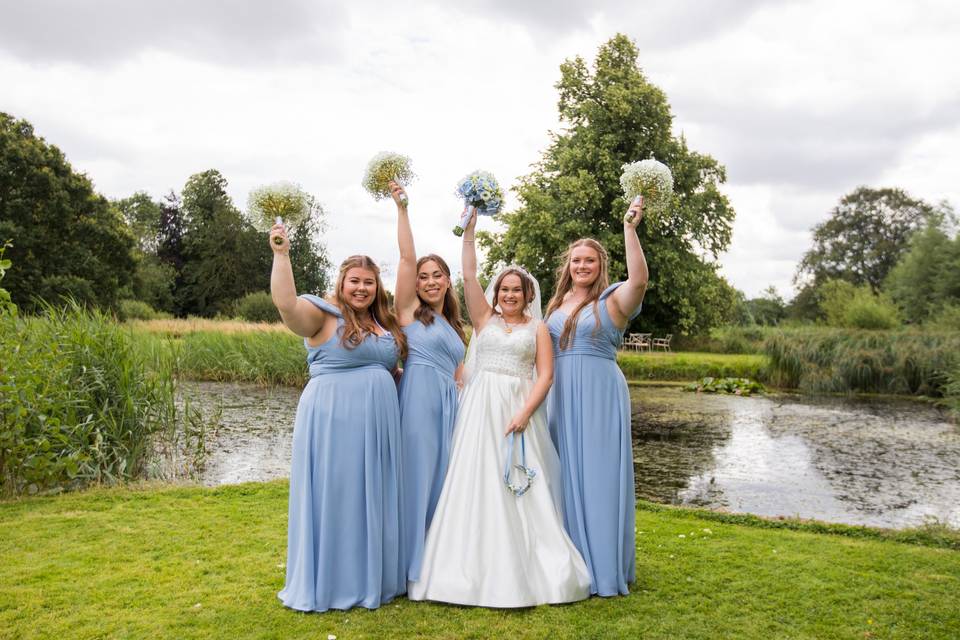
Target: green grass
x: 684, y: 366
x: 202, y: 563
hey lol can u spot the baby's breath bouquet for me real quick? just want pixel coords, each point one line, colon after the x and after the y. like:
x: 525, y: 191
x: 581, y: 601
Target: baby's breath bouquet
x: 652, y: 180
x: 384, y: 167
x: 275, y: 203
x: 480, y: 191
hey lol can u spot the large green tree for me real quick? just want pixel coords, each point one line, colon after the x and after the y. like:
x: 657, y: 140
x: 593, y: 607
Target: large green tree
x: 67, y: 239
x: 223, y: 257
x: 864, y: 237
x: 611, y: 114
x: 927, y: 277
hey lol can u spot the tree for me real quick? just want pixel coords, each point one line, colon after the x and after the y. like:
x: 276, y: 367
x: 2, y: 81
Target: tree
x: 927, y: 277
x: 68, y: 239
x: 308, y: 255
x: 612, y: 115
x: 768, y: 309
x: 223, y: 257
x: 864, y: 237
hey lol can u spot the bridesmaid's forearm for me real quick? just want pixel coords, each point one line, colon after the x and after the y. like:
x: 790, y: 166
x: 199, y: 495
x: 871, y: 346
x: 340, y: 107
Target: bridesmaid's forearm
x: 283, y: 289
x: 637, y: 272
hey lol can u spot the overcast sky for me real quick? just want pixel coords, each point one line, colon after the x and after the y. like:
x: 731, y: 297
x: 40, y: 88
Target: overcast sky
x: 802, y: 101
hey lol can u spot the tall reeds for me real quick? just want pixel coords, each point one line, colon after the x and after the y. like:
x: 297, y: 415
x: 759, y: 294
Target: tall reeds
x: 842, y: 360
x: 81, y: 402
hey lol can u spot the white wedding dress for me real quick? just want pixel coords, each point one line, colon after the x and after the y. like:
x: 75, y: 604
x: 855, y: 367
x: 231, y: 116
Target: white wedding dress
x: 486, y: 546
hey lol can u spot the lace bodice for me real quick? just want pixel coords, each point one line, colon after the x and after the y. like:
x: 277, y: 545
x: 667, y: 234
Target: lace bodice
x: 512, y: 353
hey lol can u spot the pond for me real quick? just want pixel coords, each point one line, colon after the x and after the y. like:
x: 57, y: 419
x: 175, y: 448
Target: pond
x: 878, y: 462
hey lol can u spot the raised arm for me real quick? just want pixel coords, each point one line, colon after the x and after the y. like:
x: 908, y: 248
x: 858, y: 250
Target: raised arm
x: 405, y: 294
x: 623, y: 302
x: 300, y: 316
x: 478, y: 308
x: 541, y: 387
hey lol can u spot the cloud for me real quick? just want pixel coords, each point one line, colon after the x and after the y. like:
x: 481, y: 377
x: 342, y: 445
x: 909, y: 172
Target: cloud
x: 229, y: 32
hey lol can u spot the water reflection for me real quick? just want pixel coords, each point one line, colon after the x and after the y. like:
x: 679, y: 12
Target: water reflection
x: 877, y: 462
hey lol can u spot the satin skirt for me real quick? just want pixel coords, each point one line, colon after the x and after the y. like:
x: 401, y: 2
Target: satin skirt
x: 486, y: 546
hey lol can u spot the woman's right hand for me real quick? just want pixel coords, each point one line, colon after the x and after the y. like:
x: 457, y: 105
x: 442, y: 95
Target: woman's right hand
x: 468, y: 231
x: 281, y: 248
x: 395, y: 192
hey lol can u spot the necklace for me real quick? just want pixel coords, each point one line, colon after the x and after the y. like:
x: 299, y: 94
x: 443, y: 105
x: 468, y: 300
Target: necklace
x: 507, y: 327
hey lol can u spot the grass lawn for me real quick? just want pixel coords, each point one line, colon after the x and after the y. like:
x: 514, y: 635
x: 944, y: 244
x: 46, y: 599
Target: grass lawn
x: 207, y: 563
x: 689, y: 366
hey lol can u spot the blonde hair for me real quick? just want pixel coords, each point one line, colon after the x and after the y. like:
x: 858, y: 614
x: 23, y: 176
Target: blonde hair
x: 353, y: 332
x: 565, y: 285
x: 451, y: 306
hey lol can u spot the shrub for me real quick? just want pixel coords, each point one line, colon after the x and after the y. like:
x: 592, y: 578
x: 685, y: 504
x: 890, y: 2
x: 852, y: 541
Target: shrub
x: 139, y: 310
x: 257, y: 307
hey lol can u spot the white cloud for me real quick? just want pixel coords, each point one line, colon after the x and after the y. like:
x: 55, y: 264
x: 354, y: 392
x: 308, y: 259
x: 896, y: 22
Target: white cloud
x: 802, y: 101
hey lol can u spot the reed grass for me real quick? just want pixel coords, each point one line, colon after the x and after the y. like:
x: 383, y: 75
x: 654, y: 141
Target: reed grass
x: 821, y: 360
x: 81, y: 402
x: 179, y: 327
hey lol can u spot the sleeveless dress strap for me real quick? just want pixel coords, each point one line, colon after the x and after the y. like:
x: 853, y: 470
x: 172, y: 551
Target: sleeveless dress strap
x: 609, y: 290
x: 322, y: 304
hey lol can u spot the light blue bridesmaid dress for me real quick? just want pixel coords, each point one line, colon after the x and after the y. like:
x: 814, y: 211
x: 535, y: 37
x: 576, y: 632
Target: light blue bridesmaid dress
x: 428, y: 408
x: 343, y: 537
x: 589, y: 415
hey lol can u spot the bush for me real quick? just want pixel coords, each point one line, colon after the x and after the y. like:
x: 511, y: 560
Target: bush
x: 139, y: 310
x: 867, y: 311
x: 257, y: 307
x: 846, y: 305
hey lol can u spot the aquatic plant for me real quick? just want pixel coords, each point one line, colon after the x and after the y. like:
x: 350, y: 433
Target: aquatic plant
x: 734, y: 386
x: 81, y: 403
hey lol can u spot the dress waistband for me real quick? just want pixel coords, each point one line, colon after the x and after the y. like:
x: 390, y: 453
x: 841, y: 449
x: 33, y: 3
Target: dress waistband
x: 321, y: 369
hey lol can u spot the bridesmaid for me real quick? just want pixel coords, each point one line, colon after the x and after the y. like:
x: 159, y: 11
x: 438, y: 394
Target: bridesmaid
x: 589, y: 405
x: 429, y: 313
x: 343, y: 535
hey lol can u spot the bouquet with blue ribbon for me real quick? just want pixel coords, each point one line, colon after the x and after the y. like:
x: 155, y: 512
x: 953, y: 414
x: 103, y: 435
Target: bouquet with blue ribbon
x: 480, y: 192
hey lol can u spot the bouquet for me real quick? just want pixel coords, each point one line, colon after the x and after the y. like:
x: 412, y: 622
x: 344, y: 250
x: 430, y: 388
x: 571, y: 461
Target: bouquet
x: 652, y: 180
x: 273, y: 203
x: 384, y: 167
x: 479, y: 191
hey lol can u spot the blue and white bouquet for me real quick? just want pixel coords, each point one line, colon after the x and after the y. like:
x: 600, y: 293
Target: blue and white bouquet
x: 481, y: 192
x: 652, y: 180
x: 384, y: 167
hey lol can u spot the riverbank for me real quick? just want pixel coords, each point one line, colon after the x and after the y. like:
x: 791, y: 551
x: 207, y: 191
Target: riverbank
x: 207, y: 563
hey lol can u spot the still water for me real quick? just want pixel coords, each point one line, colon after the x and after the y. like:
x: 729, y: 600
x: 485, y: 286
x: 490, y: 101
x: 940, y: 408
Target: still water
x: 886, y: 463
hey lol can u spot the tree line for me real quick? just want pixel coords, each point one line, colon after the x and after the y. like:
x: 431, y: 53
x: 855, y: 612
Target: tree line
x: 189, y: 253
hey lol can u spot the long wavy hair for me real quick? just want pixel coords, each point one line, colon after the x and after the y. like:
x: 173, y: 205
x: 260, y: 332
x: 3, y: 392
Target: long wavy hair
x: 565, y: 285
x: 354, y: 332
x: 451, y: 306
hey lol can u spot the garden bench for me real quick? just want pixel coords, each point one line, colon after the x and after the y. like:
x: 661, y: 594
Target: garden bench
x: 663, y: 343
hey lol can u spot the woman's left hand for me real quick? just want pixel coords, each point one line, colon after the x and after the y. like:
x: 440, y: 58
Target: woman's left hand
x: 634, y: 213
x: 517, y: 424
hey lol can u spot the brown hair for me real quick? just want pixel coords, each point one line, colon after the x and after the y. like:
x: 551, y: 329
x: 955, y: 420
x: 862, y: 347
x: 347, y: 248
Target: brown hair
x: 451, y: 306
x: 526, y: 286
x: 565, y: 284
x: 353, y: 331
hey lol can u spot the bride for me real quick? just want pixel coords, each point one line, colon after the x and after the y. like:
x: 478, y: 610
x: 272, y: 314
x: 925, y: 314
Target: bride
x: 497, y: 536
